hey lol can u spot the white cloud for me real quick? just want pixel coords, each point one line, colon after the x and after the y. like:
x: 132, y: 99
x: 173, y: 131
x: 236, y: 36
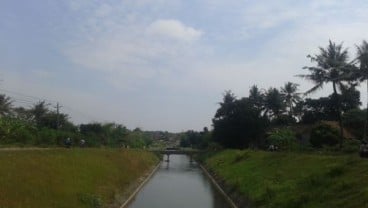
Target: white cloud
x: 174, y: 29
x: 130, y: 51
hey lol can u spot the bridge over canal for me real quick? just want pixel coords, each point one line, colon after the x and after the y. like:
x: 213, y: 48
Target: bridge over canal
x: 169, y: 152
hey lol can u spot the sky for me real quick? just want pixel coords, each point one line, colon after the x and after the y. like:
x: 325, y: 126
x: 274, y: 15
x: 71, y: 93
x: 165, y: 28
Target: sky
x: 163, y: 64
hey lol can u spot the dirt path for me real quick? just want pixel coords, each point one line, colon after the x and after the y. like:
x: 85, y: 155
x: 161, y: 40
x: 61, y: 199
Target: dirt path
x: 24, y: 148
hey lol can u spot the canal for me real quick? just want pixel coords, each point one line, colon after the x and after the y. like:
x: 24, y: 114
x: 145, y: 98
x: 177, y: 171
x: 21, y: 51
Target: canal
x: 179, y: 183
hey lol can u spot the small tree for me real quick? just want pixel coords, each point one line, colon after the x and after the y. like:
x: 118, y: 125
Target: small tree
x: 5, y: 105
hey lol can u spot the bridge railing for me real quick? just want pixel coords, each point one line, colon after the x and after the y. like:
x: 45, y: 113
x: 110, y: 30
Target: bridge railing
x: 178, y: 152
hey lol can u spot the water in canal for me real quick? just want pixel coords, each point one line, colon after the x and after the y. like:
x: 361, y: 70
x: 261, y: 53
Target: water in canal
x: 179, y: 184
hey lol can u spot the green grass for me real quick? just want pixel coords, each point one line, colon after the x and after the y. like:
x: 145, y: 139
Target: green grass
x: 69, y: 177
x: 294, y: 179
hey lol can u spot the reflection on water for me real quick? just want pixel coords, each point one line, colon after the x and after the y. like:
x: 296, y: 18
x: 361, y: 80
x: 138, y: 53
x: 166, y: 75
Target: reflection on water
x: 179, y: 184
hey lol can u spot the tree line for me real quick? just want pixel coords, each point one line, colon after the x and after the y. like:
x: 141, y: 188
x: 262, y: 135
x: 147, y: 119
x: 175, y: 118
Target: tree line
x: 244, y: 122
x: 41, y: 126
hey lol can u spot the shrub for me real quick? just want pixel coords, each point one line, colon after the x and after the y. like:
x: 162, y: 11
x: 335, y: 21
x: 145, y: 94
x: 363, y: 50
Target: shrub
x: 213, y: 146
x: 284, y: 120
x: 351, y: 146
x: 355, y: 120
x: 13, y: 131
x: 46, y: 137
x: 284, y: 138
x: 324, y: 134
x: 90, y: 200
x: 23, y: 136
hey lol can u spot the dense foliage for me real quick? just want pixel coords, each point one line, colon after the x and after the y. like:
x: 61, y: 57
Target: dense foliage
x: 284, y: 139
x: 195, y: 139
x: 355, y: 120
x: 41, y: 126
x: 238, y: 123
x: 324, y: 134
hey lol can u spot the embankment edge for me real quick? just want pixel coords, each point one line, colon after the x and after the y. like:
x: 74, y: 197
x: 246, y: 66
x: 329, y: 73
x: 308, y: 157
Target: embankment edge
x: 136, y: 191
x: 213, y: 180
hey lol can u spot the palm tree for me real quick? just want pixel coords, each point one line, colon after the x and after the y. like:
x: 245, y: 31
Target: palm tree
x: 291, y: 96
x: 5, y: 105
x: 362, y: 57
x: 273, y: 102
x: 331, y: 67
x: 256, y: 97
x: 227, y: 105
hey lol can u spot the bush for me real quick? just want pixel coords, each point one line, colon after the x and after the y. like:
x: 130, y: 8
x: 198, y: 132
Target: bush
x: 355, y: 120
x: 213, y: 146
x: 23, y: 136
x: 137, y: 139
x: 284, y: 138
x: 324, y: 134
x: 284, y: 120
x: 13, y: 131
x: 90, y: 200
x: 46, y: 137
x: 351, y: 146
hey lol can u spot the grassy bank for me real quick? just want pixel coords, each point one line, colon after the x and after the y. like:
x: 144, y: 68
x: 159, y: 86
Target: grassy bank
x: 69, y: 177
x: 269, y: 179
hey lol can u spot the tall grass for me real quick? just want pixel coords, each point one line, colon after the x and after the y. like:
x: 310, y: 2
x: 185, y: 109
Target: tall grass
x: 69, y: 177
x: 294, y: 179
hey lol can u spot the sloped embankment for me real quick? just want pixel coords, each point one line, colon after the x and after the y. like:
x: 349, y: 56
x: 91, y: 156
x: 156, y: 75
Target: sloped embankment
x: 70, y: 177
x: 266, y: 179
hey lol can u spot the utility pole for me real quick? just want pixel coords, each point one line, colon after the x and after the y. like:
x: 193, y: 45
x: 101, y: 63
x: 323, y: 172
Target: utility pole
x: 57, y: 114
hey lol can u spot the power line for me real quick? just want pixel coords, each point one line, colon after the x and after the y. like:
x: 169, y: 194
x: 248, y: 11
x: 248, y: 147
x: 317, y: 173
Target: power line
x: 30, y: 99
x: 27, y: 96
x: 21, y: 100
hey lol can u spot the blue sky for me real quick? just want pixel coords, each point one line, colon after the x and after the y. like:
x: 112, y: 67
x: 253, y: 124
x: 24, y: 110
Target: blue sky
x: 163, y: 64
